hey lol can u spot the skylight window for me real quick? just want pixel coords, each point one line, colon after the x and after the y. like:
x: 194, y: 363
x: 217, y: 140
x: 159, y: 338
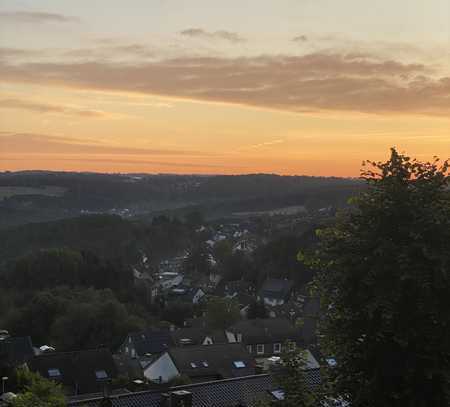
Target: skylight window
x: 278, y: 394
x: 205, y: 363
x: 54, y: 373
x: 239, y: 364
x: 193, y: 365
x: 101, y: 374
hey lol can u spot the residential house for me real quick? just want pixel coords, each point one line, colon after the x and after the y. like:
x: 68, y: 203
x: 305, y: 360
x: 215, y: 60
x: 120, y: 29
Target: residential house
x: 202, y: 363
x: 169, y: 279
x: 198, y: 336
x: 79, y: 372
x: 14, y: 351
x: 146, y: 343
x: 275, y: 291
x: 264, y: 337
x: 246, y: 245
x: 191, y: 295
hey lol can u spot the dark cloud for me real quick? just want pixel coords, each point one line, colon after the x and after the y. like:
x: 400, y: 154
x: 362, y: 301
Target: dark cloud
x: 215, y: 35
x: 35, y: 17
x: 308, y: 83
x: 300, y: 38
x: 39, y: 107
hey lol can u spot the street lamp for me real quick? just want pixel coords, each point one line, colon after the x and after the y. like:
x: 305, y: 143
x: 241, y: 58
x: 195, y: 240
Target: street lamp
x: 4, y: 379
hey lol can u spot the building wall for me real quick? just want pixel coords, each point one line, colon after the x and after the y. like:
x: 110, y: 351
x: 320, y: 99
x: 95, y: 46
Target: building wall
x: 163, y: 369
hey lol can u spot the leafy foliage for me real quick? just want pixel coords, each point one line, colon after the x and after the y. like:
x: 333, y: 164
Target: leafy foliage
x: 385, y: 287
x: 257, y: 309
x: 222, y: 312
x: 293, y: 382
x: 37, y: 391
x: 73, y: 319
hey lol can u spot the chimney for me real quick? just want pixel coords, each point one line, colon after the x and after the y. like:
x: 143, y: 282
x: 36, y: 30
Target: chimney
x: 181, y: 398
x: 165, y: 400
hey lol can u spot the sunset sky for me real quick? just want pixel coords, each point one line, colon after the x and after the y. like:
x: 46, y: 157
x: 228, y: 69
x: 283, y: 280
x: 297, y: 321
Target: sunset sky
x: 205, y: 86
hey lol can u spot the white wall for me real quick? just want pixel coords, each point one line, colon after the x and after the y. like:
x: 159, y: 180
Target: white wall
x: 162, y: 367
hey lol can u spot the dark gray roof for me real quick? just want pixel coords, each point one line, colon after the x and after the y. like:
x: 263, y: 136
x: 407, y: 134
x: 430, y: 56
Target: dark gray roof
x: 269, y: 330
x: 215, y: 361
x: 197, y: 336
x: 151, y: 341
x: 183, y: 293
x: 76, y: 370
x: 219, y: 393
x: 276, y: 288
x: 15, y: 350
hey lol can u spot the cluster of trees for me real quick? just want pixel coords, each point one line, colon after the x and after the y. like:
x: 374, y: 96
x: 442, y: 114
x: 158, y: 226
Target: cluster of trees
x: 73, y: 318
x: 384, y: 280
x: 36, y: 391
x: 54, y: 267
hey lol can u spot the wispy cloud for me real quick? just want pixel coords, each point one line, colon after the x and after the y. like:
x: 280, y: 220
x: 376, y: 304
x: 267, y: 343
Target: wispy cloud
x: 31, y: 143
x: 112, y: 51
x: 318, y: 82
x: 213, y: 35
x: 35, y: 17
x: 40, y: 107
x: 262, y: 145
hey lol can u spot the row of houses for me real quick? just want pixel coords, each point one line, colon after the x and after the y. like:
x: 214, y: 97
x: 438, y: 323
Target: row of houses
x: 158, y: 356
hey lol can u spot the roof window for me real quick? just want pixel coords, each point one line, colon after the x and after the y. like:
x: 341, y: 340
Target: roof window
x: 101, y: 374
x: 239, y: 364
x: 54, y: 372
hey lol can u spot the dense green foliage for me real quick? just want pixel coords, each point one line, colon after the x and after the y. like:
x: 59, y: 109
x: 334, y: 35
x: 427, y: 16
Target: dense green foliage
x: 72, y: 319
x: 36, y: 391
x: 292, y: 380
x: 257, y: 309
x: 53, y: 267
x: 385, y: 283
x: 221, y: 312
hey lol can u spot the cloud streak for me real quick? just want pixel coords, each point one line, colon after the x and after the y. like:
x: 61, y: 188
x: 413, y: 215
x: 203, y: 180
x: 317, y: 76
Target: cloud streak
x: 35, y: 17
x: 229, y: 36
x: 30, y: 143
x: 39, y: 107
x: 318, y: 82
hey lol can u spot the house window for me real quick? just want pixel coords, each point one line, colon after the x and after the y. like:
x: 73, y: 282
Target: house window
x: 193, y: 365
x: 205, y: 363
x: 133, y: 353
x: 101, y: 374
x: 249, y: 348
x: 277, y: 348
x: 126, y: 349
x: 260, y: 349
x: 239, y: 337
x: 54, y: 373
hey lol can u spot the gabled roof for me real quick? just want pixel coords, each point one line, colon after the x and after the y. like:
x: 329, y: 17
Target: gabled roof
x: 80, y: 372
x: 151, y: 341
x: 196, y: 336
x: 276, y: 288
x: 215, y: 361
x: 15, y: 350
x: 247, y: 390
x: 269, y: 330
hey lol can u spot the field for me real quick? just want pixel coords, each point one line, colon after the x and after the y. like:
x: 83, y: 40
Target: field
x: 8, y: 192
